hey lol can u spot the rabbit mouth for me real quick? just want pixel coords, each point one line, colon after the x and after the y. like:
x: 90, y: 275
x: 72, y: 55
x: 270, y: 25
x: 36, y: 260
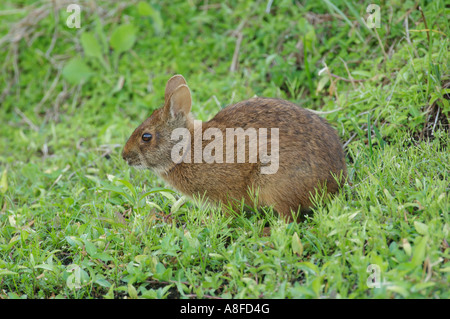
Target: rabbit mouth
x: 134, y: 162
x: 137, y: 165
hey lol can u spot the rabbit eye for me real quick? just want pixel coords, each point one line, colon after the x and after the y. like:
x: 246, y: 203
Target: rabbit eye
x: 146, y: 137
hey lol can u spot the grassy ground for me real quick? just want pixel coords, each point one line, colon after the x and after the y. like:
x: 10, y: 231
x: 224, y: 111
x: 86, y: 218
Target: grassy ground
x: 77, y: 222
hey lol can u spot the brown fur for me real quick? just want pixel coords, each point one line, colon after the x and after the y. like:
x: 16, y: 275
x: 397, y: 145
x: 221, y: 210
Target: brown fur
x: 310, y: 153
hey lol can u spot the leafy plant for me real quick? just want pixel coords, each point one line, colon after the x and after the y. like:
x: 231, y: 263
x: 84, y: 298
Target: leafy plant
x: 77, y: 222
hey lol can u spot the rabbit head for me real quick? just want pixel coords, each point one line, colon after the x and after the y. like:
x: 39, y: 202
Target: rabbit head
x: 150, y: 145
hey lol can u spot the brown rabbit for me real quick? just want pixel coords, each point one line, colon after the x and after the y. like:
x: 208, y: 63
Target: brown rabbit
x: 305, y: 152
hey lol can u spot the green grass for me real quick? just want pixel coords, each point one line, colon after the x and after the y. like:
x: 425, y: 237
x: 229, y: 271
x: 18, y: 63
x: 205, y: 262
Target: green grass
x: 77, y: 222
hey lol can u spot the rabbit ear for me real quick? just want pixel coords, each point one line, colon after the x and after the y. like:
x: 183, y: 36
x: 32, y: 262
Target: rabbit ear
x: 180, y: 101
x: 172, y: 84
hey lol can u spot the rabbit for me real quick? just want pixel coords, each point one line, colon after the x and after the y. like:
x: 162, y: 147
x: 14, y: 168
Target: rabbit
x: 308, y: 155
